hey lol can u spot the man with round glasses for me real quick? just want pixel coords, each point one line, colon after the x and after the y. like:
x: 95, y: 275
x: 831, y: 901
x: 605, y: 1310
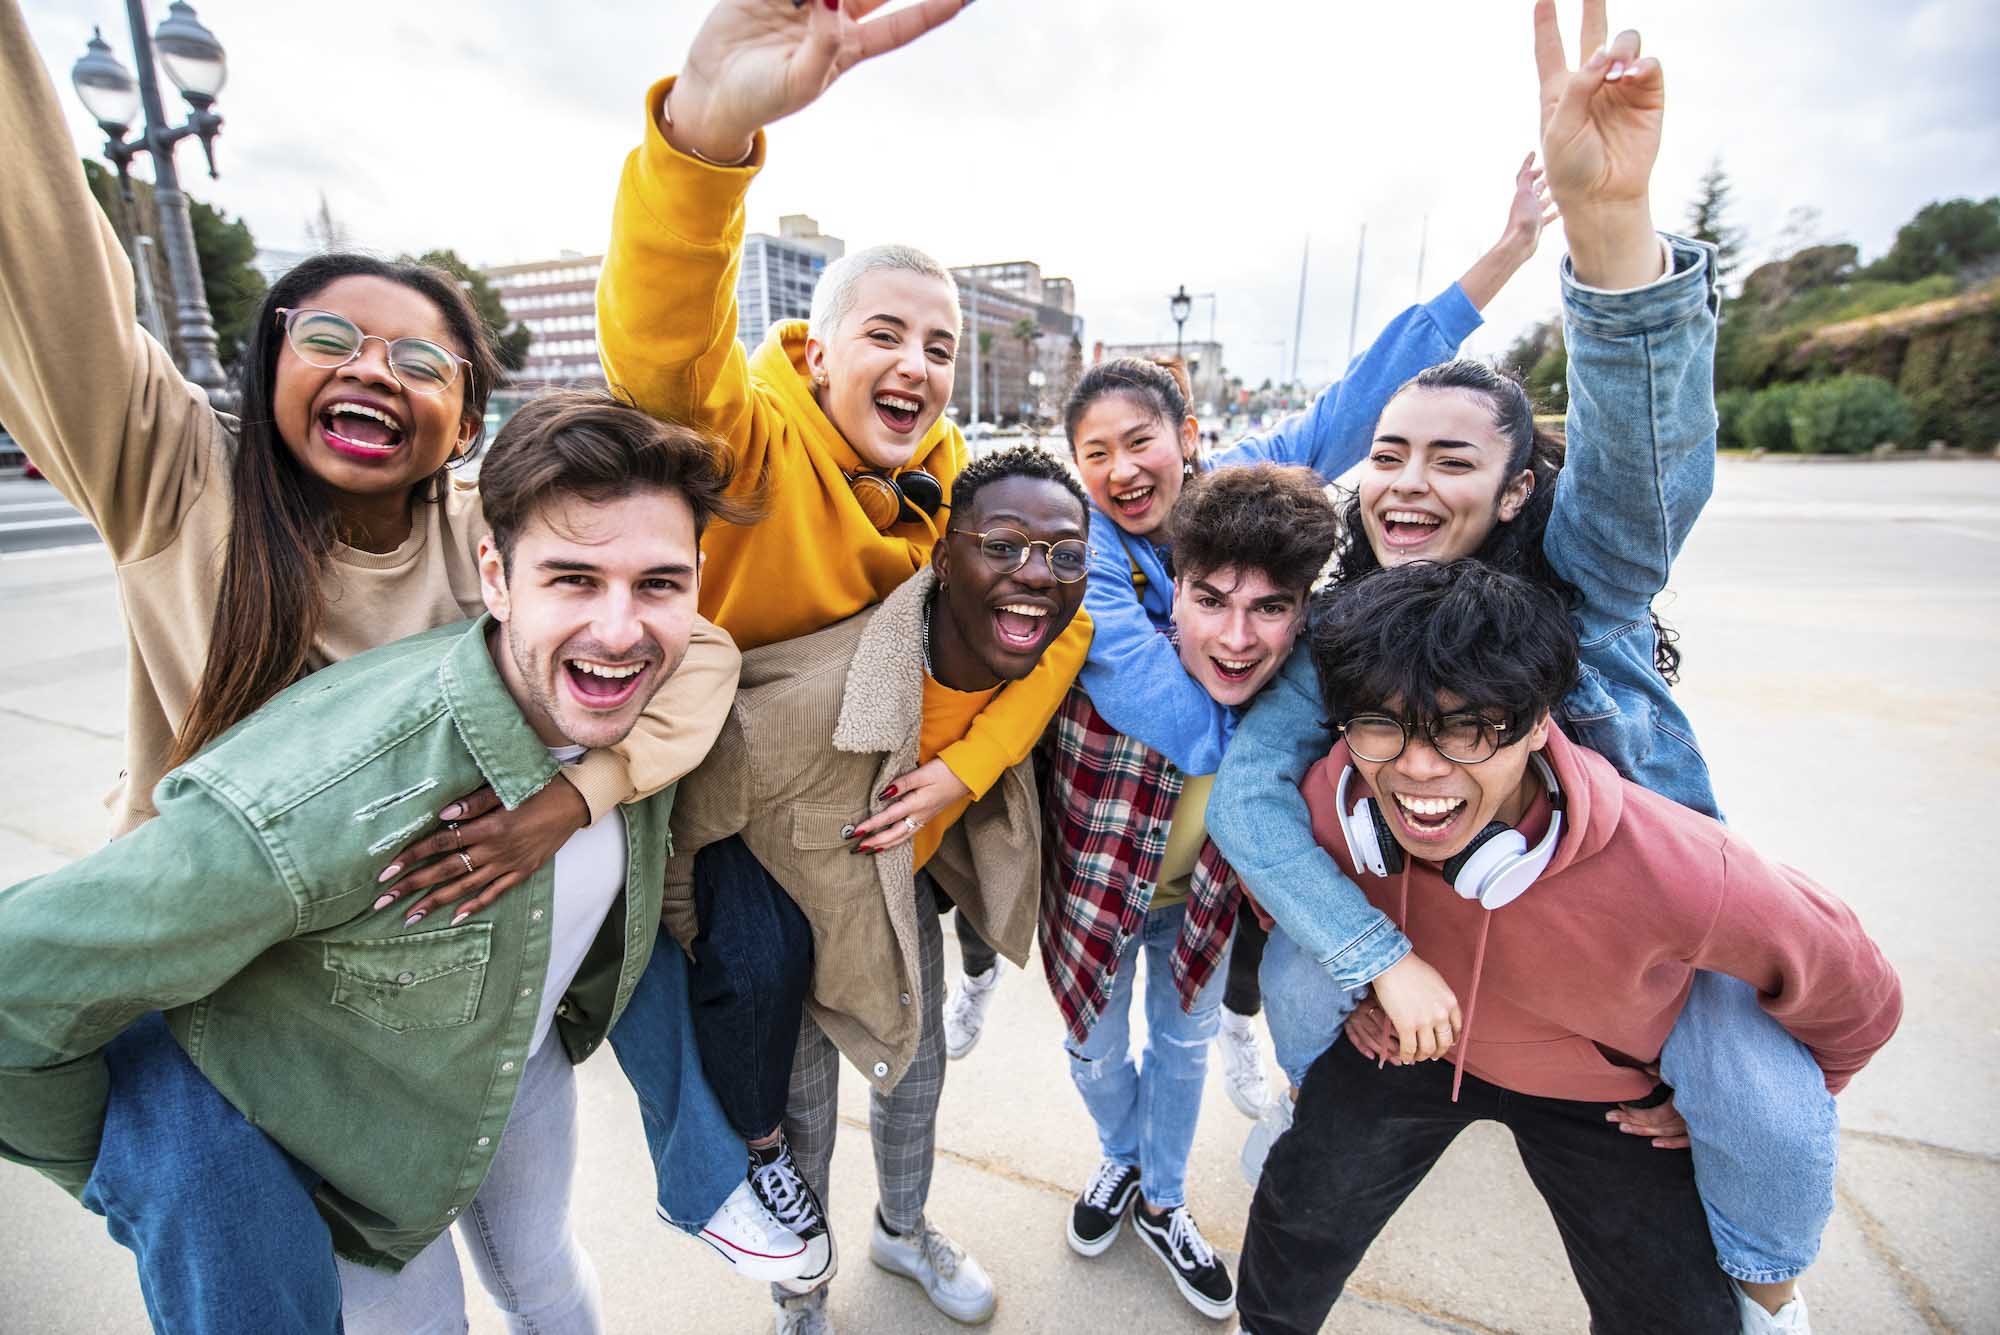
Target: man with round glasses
x: 823, y: 726
x: 1570, y: 908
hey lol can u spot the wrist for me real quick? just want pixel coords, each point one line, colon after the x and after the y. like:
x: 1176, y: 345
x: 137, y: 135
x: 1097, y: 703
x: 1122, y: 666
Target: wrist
x: 1613, y: 246
x: 577, y: 807
x: 691, y: 132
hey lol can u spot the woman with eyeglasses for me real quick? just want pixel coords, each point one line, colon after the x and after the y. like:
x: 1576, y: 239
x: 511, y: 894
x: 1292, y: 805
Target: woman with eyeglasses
x: 249, y: 551
x: 1457, y: 468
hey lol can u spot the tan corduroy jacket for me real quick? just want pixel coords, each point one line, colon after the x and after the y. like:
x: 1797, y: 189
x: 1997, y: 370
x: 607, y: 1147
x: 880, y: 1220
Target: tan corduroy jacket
x: 820, y: 725
x: 101, y: 410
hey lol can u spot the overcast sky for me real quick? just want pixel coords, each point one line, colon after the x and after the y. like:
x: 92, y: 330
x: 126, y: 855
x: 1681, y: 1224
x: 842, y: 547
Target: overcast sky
x: 1132, y: 146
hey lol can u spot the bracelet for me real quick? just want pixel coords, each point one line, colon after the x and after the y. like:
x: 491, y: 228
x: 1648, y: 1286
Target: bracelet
x: 667, y: 119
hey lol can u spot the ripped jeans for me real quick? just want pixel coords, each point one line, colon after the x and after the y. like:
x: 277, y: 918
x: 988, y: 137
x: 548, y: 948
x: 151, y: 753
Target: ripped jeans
x: 1145, y: 1107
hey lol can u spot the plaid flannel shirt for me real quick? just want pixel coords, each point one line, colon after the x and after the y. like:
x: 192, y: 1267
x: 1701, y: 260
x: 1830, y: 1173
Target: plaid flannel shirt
x: 1107, y: 803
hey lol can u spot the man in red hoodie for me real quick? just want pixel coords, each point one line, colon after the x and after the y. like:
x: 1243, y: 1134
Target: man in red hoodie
x: 1570, y: 908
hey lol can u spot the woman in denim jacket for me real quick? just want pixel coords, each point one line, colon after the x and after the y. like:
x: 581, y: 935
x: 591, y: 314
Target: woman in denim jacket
x: 1458, y: 469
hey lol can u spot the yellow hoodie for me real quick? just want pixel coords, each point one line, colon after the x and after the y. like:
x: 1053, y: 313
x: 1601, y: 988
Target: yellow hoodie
x: 666, y: 327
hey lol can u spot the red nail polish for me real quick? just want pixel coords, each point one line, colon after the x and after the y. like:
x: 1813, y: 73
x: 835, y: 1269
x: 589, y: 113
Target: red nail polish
x: 833, y: 5
x: 888, y: 792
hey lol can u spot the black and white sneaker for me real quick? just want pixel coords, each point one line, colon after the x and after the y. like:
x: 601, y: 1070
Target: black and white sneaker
x: 1100, y: 1211
x: 783, y: 1190
x: 1198, y: 1272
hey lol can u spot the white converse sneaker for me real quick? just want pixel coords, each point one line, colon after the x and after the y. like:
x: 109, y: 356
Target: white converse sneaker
x: 1275, y: 1122
x: 804, y: 1315
x: 782, y: 1190
x: 955, y: 1283
x: 1791, y: 1319
x: 965, y: 1010
x: 747, y: 1236
x: 1243, y: 1063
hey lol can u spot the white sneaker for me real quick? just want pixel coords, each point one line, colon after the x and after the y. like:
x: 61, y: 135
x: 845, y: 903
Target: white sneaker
x: 1275, y: 1122
x: 747, y: 1236
x: 804, y: 1315
x: 955, y: 1283
x: 783, y: 1191
x: 1791, y: 1319
x: 965, y: 1010
x: 1243, y: 1063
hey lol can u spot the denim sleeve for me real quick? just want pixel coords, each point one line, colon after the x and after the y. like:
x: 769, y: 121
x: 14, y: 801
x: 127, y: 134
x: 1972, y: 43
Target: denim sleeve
x: 1331, y: 436
x: 1640, y: 467
x: 154, y: 920
x: 1258, y: 819
x: 1134, y: 676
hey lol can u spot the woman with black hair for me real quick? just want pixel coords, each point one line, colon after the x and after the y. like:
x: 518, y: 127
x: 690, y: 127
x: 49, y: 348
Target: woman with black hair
x: 249, y: 552
x: 1458, y: 468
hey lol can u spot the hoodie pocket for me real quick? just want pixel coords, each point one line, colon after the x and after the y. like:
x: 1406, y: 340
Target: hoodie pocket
x: 432, y: 980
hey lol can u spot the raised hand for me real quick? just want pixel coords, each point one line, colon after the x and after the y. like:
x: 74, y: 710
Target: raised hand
x: 1530, y: 210
x: 757, y: 61
x: 1600, y: 137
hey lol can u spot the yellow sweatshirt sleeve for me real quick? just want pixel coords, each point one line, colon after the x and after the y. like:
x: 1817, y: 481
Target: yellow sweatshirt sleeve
x: 666, y: 302
x: 95, y: 402
x: 674, y: 733
x: 1006, y: 731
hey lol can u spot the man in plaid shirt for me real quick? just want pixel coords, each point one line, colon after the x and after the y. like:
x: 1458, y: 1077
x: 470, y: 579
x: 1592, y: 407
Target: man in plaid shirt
x: 1127, y: 864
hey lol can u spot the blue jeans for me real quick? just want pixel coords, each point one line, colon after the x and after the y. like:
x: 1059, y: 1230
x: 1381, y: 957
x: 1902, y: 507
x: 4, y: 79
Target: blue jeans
x: 517, y: 1230
x: 1763, y: 1130
x: 219, y: 1217
x: 1146, y: 1109
x: 698, y: 1159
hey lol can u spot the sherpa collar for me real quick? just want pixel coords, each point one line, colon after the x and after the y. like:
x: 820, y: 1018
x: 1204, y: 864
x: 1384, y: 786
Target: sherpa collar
x: 883, y: 701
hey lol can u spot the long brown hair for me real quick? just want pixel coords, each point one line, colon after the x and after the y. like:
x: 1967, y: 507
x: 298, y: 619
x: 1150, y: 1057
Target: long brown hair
x: 271, y: 603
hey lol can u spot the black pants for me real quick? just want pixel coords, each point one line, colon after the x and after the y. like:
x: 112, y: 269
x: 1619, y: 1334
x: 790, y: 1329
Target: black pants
x: 978, y: 956
x: 1362, y: 1139
x: 752, y: 969
x: 1240, y: 992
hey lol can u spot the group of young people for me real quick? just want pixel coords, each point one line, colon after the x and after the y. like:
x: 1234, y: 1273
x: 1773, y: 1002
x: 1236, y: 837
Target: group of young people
x: 749, y: 650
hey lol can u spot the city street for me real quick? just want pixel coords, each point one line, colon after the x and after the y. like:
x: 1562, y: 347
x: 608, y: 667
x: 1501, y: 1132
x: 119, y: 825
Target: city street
x: 1840, y: 623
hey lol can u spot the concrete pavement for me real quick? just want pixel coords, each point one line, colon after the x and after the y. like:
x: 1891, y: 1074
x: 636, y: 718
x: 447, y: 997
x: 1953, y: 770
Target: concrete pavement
x: 1840, y: 629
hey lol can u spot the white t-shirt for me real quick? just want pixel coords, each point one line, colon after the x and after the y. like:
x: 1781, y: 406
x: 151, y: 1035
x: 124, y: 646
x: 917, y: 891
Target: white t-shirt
x: 590, y: 872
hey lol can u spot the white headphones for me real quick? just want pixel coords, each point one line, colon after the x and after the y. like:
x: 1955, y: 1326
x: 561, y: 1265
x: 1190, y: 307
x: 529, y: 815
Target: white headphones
x: 1495, y: 869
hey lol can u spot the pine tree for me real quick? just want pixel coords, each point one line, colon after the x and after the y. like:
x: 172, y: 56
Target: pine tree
x: 1707, y: 221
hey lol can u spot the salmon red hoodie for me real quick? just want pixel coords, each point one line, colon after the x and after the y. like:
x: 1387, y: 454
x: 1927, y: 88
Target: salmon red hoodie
x: 1569, y: 989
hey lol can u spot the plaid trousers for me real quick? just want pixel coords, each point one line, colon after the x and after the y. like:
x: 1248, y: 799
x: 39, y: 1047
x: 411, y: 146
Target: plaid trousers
x: 902, y: 1123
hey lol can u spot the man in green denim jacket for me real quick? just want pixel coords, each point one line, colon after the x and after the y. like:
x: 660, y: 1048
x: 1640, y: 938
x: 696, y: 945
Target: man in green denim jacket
x: 385, y: 1058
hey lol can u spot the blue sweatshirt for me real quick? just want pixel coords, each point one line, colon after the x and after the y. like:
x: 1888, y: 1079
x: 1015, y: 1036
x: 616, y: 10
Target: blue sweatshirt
x: 1134, y: 675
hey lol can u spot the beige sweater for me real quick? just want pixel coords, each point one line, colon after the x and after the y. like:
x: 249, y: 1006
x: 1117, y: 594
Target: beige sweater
x: 101, y: 410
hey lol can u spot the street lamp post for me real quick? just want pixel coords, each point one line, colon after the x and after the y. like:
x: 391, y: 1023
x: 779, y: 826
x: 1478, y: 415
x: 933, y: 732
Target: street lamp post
x: 195, y: 62
x: 1180, y: 304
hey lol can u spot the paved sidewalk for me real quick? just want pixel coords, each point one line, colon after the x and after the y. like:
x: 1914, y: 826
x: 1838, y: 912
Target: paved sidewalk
x: 1842, y: 677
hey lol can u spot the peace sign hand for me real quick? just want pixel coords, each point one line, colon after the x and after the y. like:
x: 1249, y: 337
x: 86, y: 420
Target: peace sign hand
x: 1600, y: 138
x: 757, y: 61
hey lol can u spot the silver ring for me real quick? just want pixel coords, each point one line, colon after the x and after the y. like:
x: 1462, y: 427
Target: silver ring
x: 914, y: 825
x: 466, y: 858
x: 457, y: 838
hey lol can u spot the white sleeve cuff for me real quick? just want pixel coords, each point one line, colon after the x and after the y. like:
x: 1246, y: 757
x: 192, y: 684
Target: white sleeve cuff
x: 1667, y: 272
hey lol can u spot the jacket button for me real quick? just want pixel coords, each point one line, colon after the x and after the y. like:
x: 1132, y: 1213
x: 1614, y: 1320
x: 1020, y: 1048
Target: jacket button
x: 881, y: 1069
x: 527, y: 991
x: 535, y: 915
x: 906, y: 998
x: 451, y: 1213
x: 506, y: 1066
x: 405, y: 979
x: 484, y: 1141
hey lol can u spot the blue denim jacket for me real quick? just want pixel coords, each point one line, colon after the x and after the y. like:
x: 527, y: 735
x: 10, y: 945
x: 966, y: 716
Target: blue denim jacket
x: 1640, y: 466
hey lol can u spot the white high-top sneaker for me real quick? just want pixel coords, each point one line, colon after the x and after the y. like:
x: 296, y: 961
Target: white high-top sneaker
x: 1243, y: 1075
x: 965, y: 1010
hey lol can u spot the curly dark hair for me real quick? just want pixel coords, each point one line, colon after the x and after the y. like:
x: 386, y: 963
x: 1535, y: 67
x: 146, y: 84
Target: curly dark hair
x: 1014, y: 461
x: 1516, y: 545
x: 1266, y: 517
x: 1411, y: 635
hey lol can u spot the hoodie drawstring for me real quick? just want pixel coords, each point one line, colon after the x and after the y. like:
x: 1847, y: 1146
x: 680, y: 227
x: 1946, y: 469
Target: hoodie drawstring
x: 1471, y: 1003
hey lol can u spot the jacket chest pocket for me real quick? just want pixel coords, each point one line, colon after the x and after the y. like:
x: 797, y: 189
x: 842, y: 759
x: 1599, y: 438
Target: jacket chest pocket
x: 428, y: 981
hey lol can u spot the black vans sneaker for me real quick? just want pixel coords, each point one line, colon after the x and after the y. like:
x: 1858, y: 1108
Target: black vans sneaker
x: 1100, y: 1211
x: 1198, y: 1272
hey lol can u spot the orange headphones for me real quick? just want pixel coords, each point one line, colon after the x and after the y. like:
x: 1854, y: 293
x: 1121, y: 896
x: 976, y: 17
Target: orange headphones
x: 889, y: 499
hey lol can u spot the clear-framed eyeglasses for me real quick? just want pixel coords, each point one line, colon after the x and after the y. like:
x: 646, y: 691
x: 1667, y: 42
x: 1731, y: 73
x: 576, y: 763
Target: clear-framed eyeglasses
x: 329, y: 341
x: 1463, y: 738
x: 1006, y: 550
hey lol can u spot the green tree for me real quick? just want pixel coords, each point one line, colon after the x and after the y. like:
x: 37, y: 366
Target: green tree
x: 510, y: 341
x: 1534, y: 344
x: 1944, y: 236
x: 1027, y: 333
x: 1707, y: 218
x: 229, y: 276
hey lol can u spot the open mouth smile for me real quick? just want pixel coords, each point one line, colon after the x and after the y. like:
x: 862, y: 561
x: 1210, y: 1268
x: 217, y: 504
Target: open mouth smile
x: 1021, y: 626
x: 1235, y: 670
x: 1429, y: 819
x: 602, y: 686
x: 1409, y: 528
x: 899, y: 411
x: 361, y: 430
x: 1133, y: 502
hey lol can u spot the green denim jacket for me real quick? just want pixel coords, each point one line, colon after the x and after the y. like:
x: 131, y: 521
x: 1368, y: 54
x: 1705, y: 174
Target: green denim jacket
x: 385, y: 1058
